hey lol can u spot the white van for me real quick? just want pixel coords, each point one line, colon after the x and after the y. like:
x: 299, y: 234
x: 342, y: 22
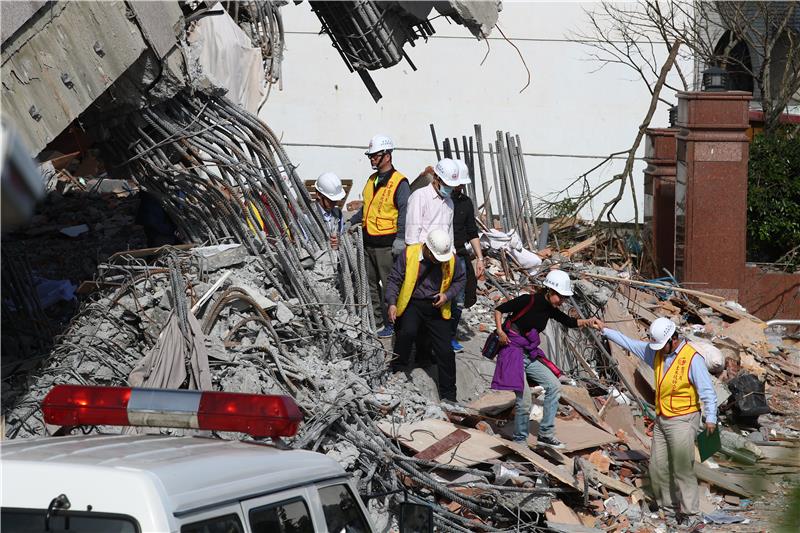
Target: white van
x: 160, y: 483
x: 143, y: 484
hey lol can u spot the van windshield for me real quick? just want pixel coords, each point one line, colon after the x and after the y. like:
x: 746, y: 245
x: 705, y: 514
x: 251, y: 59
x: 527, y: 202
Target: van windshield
x: 33, y: 521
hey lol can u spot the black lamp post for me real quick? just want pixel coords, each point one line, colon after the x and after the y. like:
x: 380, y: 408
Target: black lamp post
x: 715, y: 79
x: 673, y: 116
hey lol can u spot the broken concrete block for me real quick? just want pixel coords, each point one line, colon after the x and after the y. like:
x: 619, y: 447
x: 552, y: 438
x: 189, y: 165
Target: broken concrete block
x: 616, y: 505
x: 221, y: 255
x: 283, y: 313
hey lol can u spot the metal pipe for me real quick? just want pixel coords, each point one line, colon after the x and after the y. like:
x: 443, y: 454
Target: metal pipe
x: 783, y: 322
x: 497, y: 189
x: 487, y: 202
x: 435, y: 143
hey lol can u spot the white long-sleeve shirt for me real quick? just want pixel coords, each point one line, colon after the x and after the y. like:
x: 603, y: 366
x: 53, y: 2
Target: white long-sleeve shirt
x: 698, y: 373
x: 426, y: 211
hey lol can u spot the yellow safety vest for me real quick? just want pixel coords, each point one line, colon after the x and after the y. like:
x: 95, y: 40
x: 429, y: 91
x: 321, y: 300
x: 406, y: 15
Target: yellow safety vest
x: 253, y: 210
x: 410, y: 279
x: 675, y: 394
x: 380, y: 211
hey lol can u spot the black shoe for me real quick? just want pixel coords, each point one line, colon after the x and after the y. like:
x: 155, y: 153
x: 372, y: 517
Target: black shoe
x: 550, y: 441
x: 396, y: 367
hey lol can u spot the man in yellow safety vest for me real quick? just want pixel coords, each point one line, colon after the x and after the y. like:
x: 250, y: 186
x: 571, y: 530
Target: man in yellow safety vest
x: 421, y: 286
x: 382, y: 218
x: 683, y: 389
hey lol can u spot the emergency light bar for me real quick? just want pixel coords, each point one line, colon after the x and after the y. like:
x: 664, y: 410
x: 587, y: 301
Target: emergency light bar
x: 255, y: 414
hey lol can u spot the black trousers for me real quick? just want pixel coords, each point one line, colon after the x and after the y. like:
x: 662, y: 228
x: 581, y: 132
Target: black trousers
x: 421, y: 318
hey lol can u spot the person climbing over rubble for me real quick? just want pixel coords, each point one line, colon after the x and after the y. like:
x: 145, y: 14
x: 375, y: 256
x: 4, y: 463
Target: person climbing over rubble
x: 682, y: 384
x: 421, y: 288
x: 465, y: 230
x: 329, y: 193
x: 429, y: 208
x: 385, y: 199
x: 521, y: 358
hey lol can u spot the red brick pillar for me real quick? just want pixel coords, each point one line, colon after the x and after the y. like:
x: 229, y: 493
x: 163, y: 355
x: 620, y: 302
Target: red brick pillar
x: 659, y: 193
x: 711, y: 190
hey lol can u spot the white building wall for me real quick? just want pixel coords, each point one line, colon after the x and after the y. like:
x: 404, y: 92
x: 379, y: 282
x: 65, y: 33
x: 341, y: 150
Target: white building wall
x: 569, y: 118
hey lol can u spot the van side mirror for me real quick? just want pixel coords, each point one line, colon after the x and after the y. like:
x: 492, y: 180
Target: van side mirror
x: 416, y: 518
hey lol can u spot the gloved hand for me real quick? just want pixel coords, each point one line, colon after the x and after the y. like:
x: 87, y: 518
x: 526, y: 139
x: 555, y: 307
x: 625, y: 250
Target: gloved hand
x: 398, y: 247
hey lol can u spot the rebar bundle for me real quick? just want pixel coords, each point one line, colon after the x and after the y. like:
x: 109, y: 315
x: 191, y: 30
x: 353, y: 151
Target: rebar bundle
x: 513, y: 206
x: 370, y: 35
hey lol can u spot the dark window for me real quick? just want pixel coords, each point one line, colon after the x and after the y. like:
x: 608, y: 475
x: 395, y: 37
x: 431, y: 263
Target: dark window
x: 229, y: 523
x: 342, y: 511
x: 290, y: 516
x: 33, y: 521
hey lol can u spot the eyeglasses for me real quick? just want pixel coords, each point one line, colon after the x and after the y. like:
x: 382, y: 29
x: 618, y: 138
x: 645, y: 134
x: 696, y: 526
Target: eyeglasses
x: 375, y: 155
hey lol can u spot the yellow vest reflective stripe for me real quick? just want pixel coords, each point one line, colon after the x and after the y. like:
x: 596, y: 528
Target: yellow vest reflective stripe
x: 410, y: 279
x: 380, y: 212
x: 675, y: 394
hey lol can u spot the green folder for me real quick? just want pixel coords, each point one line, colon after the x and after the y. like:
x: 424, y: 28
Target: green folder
x: 708, y: 444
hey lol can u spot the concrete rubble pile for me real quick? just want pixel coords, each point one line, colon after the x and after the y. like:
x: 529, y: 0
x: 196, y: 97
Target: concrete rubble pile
x: 265, y: 306
x: 393, y: 434
x: 606, y: 412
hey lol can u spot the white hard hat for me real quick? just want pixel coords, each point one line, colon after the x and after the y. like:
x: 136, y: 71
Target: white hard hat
x: 330, y: 186
x: 558, y: 280
x: 447, y: 170
x: 463, y: 173
x: 438, y: 242
x: 379, y: 143
x: 661, y: 330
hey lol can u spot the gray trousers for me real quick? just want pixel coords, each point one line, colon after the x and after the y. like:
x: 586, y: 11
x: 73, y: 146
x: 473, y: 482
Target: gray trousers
x: 379, y: 263
x: 672, y: 463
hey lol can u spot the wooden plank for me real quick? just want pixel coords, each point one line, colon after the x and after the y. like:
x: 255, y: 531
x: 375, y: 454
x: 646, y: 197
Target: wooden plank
x: 747, y: 333
x: 615, y: 484
x: 494, y: 402
x: 720, y: 480
x: 724, y: 309
x: 560, y: 473
x: 619, y: 417
x: 654, y: 285
x: 446, y: 444
x: 640, y: 297
x: 417, y: 436
x: 579, y: 396
x: 619, y: 318
x: 559, y: 513
x: 578, y: 434
x: 581, y: 246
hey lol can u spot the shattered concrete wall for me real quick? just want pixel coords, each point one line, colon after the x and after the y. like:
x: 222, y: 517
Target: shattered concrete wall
x: 67, y: 55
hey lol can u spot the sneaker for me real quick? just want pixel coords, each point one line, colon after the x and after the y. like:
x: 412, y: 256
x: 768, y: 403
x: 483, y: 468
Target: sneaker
x: 550, y: 441
x: 386, y: 332
x: 456, y: 346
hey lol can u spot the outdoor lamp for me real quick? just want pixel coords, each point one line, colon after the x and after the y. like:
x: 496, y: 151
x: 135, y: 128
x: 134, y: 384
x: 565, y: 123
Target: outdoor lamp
x: 715, y: 79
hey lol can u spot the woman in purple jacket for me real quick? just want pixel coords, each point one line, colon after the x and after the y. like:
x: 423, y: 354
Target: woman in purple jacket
x: 521, y: 358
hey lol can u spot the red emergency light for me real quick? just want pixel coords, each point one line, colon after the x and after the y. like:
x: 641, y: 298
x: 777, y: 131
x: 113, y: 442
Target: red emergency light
x: 255, y: 414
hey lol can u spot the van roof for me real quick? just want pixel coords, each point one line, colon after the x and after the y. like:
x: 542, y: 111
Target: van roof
x: 193, y: 472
